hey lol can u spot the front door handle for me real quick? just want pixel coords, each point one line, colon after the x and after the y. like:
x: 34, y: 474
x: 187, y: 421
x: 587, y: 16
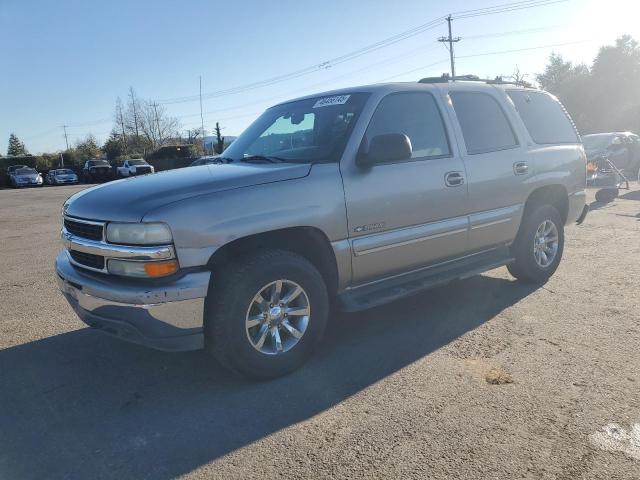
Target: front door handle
x: 454, y: 179
x: 520, y: 168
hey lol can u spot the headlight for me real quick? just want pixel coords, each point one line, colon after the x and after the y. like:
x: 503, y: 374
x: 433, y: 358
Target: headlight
x: 129, y: 268
x: 139, y: 233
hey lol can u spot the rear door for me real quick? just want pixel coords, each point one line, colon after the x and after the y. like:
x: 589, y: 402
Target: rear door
x: 497, y: 164
x: 408, y: 214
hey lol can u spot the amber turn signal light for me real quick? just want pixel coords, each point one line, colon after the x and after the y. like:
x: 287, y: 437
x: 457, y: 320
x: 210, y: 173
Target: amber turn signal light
x: 161, y: 269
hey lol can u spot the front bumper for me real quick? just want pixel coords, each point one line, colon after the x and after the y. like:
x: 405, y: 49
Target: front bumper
x: 167, y: 315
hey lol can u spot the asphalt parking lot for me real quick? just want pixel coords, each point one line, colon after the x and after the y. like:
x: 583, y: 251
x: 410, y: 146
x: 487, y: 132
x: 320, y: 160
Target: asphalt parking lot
x: 483, y: 378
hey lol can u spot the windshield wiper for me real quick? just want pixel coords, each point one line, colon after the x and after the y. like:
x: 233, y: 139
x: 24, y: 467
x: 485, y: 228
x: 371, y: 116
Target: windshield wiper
x: 262, y: 158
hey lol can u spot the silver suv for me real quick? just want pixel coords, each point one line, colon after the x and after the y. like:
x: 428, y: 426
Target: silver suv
x: 351, y: 198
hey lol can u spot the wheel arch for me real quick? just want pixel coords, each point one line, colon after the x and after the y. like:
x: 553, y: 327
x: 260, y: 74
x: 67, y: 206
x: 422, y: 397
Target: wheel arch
x: 308, y: 242
x: 555, y: 195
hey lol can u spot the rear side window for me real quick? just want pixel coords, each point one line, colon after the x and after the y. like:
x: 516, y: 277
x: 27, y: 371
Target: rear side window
x: 484, y: 125
x: 418, y: 117
x: 544, y: 117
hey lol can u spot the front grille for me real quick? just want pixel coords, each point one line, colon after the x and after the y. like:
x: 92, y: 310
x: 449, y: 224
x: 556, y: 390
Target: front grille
x: 84, y: 230
x: 142, y: 170
x: 88, y: 259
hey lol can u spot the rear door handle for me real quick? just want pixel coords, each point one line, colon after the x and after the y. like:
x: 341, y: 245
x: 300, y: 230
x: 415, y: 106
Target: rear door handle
x: 454, y: 179
x: 520, y: 168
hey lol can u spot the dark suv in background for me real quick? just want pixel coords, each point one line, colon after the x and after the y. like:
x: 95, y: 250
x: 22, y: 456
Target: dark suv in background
x: 96, y: 171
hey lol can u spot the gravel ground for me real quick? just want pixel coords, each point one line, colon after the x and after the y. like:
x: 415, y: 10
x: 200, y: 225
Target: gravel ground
x: 484, y: 378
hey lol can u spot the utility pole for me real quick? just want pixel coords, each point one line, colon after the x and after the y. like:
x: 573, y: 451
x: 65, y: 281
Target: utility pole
x: 450, y: 40
x: 135, y: 112
x: 155, y: 110
x: 201, y: 116
x: 66, y: 140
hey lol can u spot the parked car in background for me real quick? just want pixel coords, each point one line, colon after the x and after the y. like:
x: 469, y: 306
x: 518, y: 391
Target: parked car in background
x: 96, y: 171
x: 25, y: 177
x: 12, y: 169
x: 622, y: 149
x: 131, y: 168
x: 206, y: 160
x: 363, y: 196
x: 61, y: 176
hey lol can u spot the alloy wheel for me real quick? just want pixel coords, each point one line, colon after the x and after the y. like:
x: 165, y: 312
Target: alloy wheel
x: 277, y: 317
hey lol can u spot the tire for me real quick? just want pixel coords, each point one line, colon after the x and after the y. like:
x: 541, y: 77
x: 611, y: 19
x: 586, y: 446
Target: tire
x: 606, y: 195
x: 530, y: 266
x: 231, y: 301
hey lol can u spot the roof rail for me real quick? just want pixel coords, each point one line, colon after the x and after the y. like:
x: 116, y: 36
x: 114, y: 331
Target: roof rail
x: 474, y: 78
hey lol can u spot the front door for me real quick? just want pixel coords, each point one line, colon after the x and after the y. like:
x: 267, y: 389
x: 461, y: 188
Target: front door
x: 409, y: 214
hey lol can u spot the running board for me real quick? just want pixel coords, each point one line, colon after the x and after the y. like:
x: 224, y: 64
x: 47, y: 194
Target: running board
x: 385, y: 291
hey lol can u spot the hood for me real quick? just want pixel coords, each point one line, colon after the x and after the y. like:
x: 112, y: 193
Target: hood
x: 130, y: 199
x: 593, y: 153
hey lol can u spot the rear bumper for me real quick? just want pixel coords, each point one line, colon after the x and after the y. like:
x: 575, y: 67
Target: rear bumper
x: 577, y: 204
x: 165, y: 316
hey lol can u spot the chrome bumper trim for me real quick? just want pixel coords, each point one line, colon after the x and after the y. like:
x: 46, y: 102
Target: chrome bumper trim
x: 110, y: 250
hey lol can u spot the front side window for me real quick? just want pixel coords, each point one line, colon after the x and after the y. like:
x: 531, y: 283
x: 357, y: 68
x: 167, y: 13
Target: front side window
x: 544, y: 117
x: 484, y: 125
x: 304, y: 131
x: 415, y: 114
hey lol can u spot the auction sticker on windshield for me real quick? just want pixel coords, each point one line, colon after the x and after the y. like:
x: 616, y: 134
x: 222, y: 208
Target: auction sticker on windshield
x: 329, y: 101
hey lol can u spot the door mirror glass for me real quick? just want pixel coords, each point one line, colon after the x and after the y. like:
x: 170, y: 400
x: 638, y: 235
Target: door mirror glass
x: 389, y: 147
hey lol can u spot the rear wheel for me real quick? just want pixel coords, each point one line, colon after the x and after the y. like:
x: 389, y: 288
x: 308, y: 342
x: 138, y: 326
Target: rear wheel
x: 539, y: 245
x: 266, y: 313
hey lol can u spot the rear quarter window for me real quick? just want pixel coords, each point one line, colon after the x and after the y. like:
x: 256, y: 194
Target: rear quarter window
x: 544, y: 117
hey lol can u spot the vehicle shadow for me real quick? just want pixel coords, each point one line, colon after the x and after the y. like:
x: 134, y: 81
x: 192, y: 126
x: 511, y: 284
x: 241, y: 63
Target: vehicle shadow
x: 633, y: 195
x: 84, y: 405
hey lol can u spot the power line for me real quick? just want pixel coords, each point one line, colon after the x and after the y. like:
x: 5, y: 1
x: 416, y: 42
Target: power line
x: 313, y: 68
x: 525, y: 49
x: 505, y: 7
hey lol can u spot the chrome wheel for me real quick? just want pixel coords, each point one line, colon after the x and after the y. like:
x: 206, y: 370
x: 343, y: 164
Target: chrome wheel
x: 277, y: 317
x: 545, y: 243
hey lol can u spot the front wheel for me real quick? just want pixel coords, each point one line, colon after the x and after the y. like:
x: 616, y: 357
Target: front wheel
x: 266, y: 313
x: 538, y: 246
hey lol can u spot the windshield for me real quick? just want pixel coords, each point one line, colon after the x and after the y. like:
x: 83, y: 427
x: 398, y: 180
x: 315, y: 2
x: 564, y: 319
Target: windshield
x: 98, y: 163
x: 64, y: 171
x: 26, y: 171
x: 137, y: 162
x: 305, y: 131
x: 596, y: 142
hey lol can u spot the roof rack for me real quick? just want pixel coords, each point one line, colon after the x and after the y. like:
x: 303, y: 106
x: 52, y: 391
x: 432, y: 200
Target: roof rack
x: 445, y: 77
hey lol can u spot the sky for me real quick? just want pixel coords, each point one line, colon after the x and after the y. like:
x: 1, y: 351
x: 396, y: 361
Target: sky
x: 66, y: 62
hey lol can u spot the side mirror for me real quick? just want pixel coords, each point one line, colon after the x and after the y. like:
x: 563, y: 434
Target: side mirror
x: 390, y: 147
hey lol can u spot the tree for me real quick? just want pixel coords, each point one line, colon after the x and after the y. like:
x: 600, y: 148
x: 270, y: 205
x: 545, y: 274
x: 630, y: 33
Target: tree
x: 143, y: 125
x: 114, y: 146
x: 155, y: 124
x: 219, y: 139
x: 87, y: 148
x: 133, y: 117
x: 572, y: 85
x: 119, y: 118
x: 605, y: 97
x: 16, y: 147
